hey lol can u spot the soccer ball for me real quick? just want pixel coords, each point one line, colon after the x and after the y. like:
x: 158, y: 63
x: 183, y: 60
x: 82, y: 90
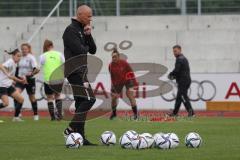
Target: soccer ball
x: 108, y: 138
x: 74, y: 140
x: 139, y: 142
x: 131, y: 133
x: 149, y: 139
x: 155, y: 136
x: 193, y: 140
x: 125, y: 141
x: 163, y: 142
x: 175, y: 139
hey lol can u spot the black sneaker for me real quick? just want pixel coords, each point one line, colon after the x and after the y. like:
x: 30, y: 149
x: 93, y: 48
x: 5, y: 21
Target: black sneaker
x: 191, y: 115
x: 171, y: 115
x: 66, y: 132
x: 59, y: 117
x: 112, y: 116
x: 135, y: 116
x: 88, y: 143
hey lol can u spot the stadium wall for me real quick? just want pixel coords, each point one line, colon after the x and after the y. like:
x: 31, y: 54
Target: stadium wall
x: 204, y: 88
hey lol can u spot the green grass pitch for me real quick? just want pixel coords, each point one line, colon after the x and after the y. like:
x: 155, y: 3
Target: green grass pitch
x: 43, y: 140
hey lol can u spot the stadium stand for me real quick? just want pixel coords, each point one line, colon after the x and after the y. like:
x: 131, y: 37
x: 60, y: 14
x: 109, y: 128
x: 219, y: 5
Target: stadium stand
x: 210, y: 42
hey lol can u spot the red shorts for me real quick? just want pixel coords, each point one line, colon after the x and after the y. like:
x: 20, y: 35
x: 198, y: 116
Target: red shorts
x: 119, y: 87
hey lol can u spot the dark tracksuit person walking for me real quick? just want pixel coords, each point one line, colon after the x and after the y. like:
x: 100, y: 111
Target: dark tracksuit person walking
x: 181, y: 73
x: 78, y: 41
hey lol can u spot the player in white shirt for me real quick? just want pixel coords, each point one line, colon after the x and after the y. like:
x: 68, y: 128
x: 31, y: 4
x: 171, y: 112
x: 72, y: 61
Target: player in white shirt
x: 7, y: 76
x: 28, y: 68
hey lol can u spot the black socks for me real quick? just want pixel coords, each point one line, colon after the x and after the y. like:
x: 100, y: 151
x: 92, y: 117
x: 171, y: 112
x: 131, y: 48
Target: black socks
x: 134, y: 109
x: 35, y: 108
x: 18, y: 107
x: 114, y: 110
x: 51, y: 110
x: 58, y: 103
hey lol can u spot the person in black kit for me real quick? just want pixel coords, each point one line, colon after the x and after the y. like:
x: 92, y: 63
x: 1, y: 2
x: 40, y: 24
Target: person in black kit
x: 78, y: 41
x: 181, y: 73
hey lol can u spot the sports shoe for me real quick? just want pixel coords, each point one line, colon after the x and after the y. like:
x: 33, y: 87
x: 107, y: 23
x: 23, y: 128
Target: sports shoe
x: 135, y: 116
x: 17, y: 119
x: 66, y: 132
x: 191, y: 115
x: 88, y: 143
x: 35, y: 117
x: 58, y: 117
x: 171, y: 115
x: 112, y: 116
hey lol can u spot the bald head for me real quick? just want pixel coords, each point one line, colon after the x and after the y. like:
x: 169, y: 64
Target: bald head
x: 84, y: 14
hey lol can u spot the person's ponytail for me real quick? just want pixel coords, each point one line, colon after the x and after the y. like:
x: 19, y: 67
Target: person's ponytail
x: 15, y: 51
x: 46, y: 45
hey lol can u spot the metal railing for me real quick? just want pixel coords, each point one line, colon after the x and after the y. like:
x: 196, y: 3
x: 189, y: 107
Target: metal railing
x: 45, y: 20
x: 41, y: 8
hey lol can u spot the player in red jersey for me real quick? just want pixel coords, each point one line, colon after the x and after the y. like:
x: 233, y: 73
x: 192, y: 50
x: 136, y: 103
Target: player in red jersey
x: 122, y: 75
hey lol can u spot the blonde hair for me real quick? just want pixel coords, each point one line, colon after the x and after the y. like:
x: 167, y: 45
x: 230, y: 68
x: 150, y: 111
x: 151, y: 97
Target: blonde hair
x: 28, y: 46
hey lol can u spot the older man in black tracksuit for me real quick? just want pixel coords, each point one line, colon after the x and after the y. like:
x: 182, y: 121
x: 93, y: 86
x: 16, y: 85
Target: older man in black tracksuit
x: 78, y: 41
x: 181, y: 73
